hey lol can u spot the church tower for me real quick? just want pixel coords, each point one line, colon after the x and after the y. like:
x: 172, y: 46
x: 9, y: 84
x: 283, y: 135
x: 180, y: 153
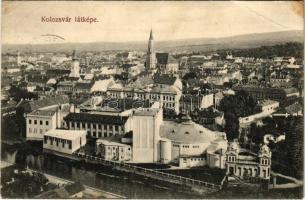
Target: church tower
x: 74, y: 66
x: 151, y: 56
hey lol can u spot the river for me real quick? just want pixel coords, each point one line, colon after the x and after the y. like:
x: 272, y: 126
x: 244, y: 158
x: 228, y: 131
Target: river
x: 102, y: 177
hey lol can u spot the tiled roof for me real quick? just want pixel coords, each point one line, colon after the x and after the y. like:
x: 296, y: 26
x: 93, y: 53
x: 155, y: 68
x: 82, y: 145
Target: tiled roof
x: 51, y: 73
x: 125, y: 104
x: 164, y: 89
x: 37, y: 78
x: 84, y: 85
x: 34, y: 105
x: 96, y: 118
x: 165, y: 79
x: 43, y: 112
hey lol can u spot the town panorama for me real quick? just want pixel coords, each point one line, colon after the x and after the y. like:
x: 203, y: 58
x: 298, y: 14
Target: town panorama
x: 182, y: 123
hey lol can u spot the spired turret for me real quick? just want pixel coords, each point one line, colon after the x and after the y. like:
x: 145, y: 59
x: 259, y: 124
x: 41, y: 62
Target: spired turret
x: 151, y: 56
x: 74, y: 66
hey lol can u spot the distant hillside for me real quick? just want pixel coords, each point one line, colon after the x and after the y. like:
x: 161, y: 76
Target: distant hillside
x: 198, y: 44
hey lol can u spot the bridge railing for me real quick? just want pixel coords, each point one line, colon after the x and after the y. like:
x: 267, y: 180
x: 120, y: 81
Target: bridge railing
x: 150, y: 171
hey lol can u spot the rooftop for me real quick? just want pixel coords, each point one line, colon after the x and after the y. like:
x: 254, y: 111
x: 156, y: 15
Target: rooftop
x: 110, y: 143
x: 267, y: 102
x: 188, y: 132
x: 43, y: 112
x: 65, y: 134
x: 96, y: 118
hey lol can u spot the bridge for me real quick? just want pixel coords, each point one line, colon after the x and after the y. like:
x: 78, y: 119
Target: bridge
x: 151, y: 173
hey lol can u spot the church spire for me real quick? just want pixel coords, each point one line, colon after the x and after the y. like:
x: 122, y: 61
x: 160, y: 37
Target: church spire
x: 151, y: 37
x: 150, y: 57
x: 74, y: 55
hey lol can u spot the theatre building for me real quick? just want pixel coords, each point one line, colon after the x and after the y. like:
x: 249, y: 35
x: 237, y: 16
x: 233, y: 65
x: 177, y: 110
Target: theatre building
x: 245, y: 164
x: 63, y: 141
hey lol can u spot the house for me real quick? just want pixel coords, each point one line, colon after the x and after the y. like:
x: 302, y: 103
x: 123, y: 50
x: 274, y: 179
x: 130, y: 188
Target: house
x: 110, y: 150
x: 38, y: 122
x: 63, y: 141
x: 169, y: 80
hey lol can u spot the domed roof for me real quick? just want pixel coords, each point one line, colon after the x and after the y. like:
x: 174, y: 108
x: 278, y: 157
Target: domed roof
x: 188, y: 132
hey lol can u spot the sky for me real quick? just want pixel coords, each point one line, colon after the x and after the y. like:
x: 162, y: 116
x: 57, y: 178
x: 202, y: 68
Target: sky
x: 131, y: 21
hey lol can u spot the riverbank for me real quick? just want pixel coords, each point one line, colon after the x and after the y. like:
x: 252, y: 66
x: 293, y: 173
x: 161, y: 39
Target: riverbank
x: 89, y: 191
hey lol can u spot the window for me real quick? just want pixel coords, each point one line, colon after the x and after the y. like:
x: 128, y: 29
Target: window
x: 51, y: 141
x: 40, y: 131
x: 47, y: 123
x: 70, y: 144
x: 30, y: 121
x: 57, y: 140
x: 35, y: 121
x: 45, y: 139
x: 40, y: 122
x: 63, y: 144
x: 77, y: 125
x: 30, y: 130
x: 94, y: 134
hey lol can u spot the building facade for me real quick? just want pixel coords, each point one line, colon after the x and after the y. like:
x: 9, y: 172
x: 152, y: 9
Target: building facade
x: 64, y: 141
x: 244, y: 164
x: 109, y: 150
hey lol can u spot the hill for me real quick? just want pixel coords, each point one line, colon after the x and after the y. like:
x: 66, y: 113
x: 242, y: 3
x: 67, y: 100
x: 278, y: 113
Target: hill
x: 197, y: 44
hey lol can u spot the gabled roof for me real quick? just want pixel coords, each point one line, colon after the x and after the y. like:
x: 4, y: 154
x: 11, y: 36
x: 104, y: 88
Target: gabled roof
x: 165, y: 79
x: 38, y: 104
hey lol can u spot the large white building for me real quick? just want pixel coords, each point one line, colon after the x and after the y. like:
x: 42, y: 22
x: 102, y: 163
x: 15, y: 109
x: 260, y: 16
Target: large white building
x: 186, y: 143
x: 63, y: 141
x: 38, y: 122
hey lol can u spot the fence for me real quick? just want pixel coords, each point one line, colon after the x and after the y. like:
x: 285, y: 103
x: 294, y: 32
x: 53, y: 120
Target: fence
x: 146, y: 171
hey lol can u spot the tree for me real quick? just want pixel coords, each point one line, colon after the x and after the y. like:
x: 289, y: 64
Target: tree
x: 231, y: 126
x: 235, y: 106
